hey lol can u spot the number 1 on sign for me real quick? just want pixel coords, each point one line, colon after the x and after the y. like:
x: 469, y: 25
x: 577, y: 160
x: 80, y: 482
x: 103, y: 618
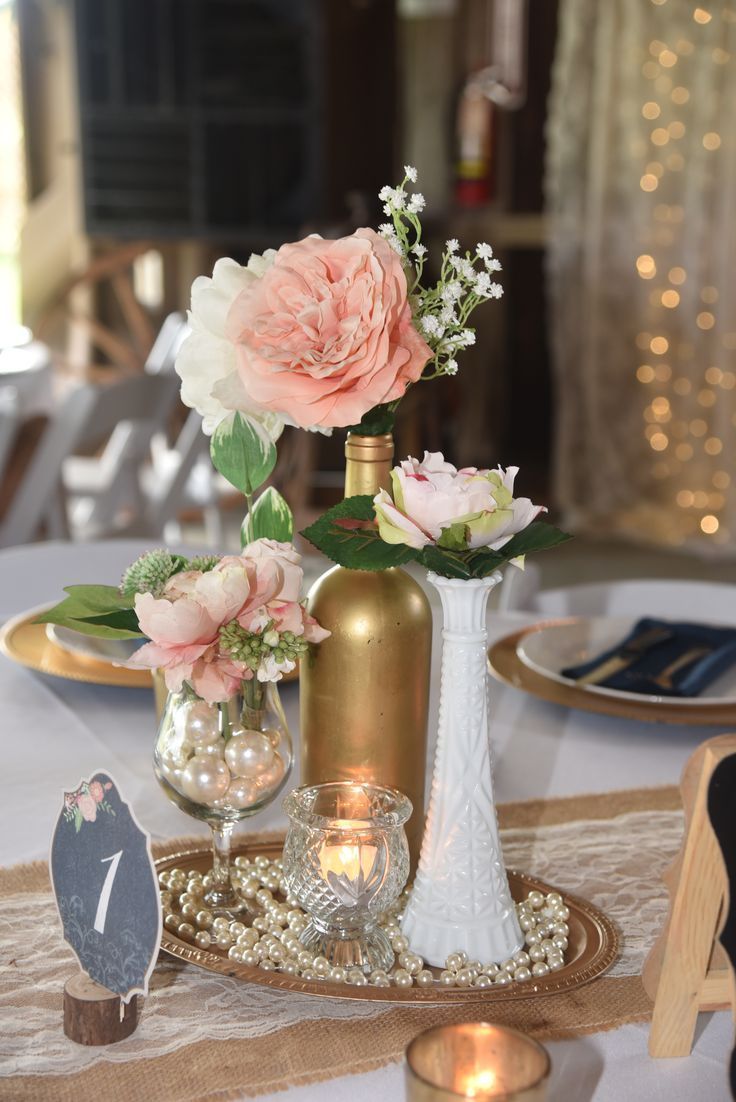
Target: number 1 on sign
x: 102, y: 906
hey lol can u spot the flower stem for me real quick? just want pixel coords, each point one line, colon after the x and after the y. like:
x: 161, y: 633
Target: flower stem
x: 249, y: 530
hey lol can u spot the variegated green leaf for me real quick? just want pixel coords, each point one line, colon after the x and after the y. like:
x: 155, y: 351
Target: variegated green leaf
x: 243, y: 452
x: 271, y: 518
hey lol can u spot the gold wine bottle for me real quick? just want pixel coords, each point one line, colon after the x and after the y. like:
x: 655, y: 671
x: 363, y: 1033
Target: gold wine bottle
x: 364, y: 691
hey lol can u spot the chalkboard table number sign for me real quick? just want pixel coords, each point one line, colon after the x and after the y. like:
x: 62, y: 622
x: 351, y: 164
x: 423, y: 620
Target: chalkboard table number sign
x: 688, y: 970
x: 106, y: 890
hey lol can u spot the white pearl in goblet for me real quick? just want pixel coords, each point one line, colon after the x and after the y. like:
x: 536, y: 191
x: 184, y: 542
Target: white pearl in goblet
x: 242, y: 793
x: 249, y: 754
x: 205, y: 779
x: 272, y: 777
x: 202, y: 722
x: 216, y: 748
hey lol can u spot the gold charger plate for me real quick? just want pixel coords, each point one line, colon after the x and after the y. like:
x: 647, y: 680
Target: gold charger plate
x: 506, y: 666
x: 28, y: 644
x: 593, y: 947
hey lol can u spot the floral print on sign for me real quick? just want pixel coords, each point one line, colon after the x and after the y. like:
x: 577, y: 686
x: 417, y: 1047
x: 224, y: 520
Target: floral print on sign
x: 83, y: 804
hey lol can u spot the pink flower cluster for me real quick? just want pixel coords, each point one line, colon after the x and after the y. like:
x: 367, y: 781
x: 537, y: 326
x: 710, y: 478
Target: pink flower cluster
x: 86, y: 799
x: 258, y: 590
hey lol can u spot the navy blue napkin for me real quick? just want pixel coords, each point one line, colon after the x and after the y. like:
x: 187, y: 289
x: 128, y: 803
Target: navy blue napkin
x: 665, y: 659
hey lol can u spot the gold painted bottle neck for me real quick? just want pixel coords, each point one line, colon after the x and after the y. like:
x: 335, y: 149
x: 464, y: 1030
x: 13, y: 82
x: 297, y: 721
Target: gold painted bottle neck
x: 368, y: 463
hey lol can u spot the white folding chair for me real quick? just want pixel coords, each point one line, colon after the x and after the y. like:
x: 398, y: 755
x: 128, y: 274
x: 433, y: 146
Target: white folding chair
x: 98, y: 487
x: 87, y: 417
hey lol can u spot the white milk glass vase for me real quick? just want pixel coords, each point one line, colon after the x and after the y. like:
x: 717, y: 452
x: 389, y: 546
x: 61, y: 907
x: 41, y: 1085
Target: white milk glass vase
x: 461, y: 898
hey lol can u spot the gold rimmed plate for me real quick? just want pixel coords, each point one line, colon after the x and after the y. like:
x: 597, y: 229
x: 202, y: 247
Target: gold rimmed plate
x: 592, y: 949
x: 507, y: 666
x: 29, y: 644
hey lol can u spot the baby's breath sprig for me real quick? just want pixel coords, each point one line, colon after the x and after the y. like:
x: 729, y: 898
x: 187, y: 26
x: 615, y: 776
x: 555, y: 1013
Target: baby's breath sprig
x: 440, y: 312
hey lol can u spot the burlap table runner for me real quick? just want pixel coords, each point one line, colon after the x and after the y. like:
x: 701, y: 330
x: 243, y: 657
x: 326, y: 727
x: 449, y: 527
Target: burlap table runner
x: 610, y: 848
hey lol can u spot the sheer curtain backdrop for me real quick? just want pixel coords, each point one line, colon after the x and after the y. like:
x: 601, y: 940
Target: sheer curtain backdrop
x: 641, y: 197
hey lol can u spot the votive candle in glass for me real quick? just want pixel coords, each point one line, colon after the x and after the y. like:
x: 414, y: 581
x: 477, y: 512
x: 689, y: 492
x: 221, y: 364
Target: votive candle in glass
x: 488, y: 1063
x: 346, y: 860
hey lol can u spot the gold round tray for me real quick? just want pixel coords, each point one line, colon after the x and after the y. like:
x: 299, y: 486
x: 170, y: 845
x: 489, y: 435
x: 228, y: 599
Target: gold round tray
x: 506, y: 666
x: 27, y: 643
x: 593, y: 947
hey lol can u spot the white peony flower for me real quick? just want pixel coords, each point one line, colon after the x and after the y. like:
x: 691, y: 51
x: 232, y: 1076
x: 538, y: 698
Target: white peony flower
x: 206, y: 363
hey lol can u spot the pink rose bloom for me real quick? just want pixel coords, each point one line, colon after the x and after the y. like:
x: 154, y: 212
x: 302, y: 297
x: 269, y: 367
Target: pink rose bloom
x: 88, y: 806
x: 326, y: 332
x: 433, y: 502
x: 97, y: 792
x: 273, y: 556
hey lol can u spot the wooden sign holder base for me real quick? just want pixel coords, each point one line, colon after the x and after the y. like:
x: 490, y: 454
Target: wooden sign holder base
x: 687, y: 970
x: 93, y: 1015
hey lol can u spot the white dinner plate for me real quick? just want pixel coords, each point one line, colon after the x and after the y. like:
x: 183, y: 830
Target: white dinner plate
x: 556, y: 646
x: 92, y: 646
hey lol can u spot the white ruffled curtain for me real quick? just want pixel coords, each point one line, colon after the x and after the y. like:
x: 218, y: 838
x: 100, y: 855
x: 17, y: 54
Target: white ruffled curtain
x: 641, y: 195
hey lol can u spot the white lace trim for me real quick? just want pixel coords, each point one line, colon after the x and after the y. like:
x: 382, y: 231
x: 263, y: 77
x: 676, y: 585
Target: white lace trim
x: 615, y: 864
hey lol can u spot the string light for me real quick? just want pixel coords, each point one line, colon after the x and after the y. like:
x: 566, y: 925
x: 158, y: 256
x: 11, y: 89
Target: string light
x: 646, y: 267
x: 666, y: 425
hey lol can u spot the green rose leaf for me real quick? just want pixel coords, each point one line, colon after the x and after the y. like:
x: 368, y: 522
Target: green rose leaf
x: 376, y: 421
x: 348, y: 534
x: 243, y: 453
x: 271, y: 518
x: 99, y: 610
x: 450, y: 564
x: 482, y: 561
x: 455, y: 537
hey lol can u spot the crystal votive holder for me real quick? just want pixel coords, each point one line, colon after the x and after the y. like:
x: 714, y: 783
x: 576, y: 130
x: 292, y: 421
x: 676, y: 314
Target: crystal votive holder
x: 488, y: 1063
x: 346, y: 861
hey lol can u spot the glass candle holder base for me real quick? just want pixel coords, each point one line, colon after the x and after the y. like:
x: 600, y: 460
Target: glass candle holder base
x: 367, y: 950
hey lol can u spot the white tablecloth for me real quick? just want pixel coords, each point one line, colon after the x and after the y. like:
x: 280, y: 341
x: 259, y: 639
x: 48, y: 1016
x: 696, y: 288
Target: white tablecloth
x: 56, y: 732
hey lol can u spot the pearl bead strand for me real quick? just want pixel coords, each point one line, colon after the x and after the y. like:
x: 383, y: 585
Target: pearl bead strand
x: 271, y: 942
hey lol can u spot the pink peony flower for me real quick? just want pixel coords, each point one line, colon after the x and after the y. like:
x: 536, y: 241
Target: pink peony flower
x: 433, y: 502
x: 96, y: 791
x: 325, y: 333
x: 88, y: 806
x: 255, y: 589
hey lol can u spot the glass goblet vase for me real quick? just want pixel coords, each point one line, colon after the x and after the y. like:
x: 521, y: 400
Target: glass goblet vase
x: 222, y: 763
